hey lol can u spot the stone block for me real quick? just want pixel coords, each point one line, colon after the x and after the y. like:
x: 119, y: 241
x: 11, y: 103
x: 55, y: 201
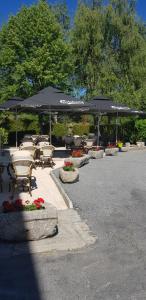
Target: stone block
x: 78, y: 161
x: 111, y: 151
x: 28, y: 225
x: 96, y: 154
x: 68, y: 176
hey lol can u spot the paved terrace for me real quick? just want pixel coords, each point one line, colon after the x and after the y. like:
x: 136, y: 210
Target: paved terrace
x: 111, y: 197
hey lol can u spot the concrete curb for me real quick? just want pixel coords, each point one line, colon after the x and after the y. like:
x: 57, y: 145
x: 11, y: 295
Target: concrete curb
x: 61, y: 190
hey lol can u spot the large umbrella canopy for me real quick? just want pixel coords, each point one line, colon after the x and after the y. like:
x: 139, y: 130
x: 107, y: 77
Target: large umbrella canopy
x: 100, y: 104
x: 11, y: 103
x: 53, y: 99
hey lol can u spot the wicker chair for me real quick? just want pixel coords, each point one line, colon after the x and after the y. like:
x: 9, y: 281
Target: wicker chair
x: 22, y: 155
x: 43, y: 144
x: 20, y: 172
x: 31, y: 149
x: 26, y: 144
x: 46, y: 157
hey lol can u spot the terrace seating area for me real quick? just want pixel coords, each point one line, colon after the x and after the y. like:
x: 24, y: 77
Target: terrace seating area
x: 35, y: 157
x: 19, y: 167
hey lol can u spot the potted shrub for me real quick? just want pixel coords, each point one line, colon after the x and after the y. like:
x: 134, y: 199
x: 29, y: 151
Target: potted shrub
x: 21, y: 221
x: 68, y: 173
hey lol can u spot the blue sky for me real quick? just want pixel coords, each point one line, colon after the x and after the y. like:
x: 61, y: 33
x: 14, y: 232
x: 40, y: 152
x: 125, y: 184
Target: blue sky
x: 11, y: 7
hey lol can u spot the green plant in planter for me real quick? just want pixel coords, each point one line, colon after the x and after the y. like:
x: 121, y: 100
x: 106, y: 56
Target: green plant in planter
x: 68, y: 166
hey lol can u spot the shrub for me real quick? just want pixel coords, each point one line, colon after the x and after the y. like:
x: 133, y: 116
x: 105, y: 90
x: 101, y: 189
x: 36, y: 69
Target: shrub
x: 140, y: 125
x: 60, y: 129
x: 81, y: 129
x: 3, y: 136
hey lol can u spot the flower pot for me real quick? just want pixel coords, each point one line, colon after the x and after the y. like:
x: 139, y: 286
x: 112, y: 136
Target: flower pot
x: 111, y: 151
x: 96, y: 154
x: 69, y: 176
x: 78, y: 161
x: 28, y: 225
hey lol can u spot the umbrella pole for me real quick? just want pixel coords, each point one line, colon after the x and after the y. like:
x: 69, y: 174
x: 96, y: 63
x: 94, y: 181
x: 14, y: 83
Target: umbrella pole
x: 50, y: 127
x: 117, y: 128
x: 98, y: 129
x: 16, y: 133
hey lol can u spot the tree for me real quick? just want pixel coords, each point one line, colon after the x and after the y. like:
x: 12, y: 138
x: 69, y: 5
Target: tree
x: 61, y: 12
x: 87, y: 39
x: 33, y: 53
x: 109, y: 48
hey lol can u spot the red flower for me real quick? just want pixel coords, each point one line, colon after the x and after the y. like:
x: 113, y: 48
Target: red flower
x: 8, y: 206
x: 68, y: 164
x: 38, y: 205
x: 41, y: 200
x: 18, y: 203
x: 38, y: 202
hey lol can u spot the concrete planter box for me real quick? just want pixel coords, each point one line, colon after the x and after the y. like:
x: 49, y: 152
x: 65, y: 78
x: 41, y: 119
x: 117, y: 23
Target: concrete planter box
x: 124, y: 149
x: 96, y: 154
x: 68, y: 176
x: 140, y: 144
x: 111, y: 151
x: 28, y: 225
x: 78, y: 161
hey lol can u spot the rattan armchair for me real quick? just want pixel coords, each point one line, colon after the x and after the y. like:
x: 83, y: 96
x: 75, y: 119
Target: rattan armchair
x: 21, y: 173
x: 31, y: 149
x: 46, y: 157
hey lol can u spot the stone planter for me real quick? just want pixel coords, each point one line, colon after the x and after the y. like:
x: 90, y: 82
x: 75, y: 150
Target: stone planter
x: 68, y: 176
x: 96, y: 154
x: 124, y: 149
x: 28, y: 225
x: 111, y: 151
x: 140, y: 144
x: 78, y: 161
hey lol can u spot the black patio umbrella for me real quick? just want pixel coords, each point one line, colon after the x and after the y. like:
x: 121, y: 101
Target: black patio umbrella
x: 53, y: 100
x: 12, y: 104
x: 100, y: 105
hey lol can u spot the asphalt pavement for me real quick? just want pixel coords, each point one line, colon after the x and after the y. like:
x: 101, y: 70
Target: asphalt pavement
x: 111, y: 198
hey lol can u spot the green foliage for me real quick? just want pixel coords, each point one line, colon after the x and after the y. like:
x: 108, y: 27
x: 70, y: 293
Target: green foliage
x: 81, y: 129
x: 141, y: 129
x: 33, y: 53
x: 60, y: 129
x: 61, y: 12
x: 3, y: 136
x: 109, y: 51
x: 21, y: 122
